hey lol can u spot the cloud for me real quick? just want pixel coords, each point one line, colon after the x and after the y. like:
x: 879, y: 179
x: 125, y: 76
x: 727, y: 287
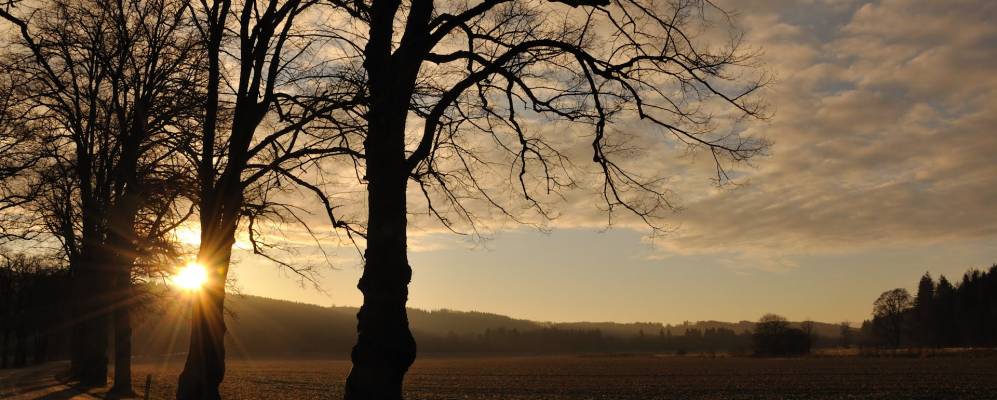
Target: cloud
x: 884, y: 133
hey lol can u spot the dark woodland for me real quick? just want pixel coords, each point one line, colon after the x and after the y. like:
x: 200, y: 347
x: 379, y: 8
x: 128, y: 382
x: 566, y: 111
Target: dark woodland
x: 37, y: 331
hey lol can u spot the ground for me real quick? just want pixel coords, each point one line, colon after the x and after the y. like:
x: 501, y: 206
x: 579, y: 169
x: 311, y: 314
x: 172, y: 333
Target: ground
x: 577, y: 378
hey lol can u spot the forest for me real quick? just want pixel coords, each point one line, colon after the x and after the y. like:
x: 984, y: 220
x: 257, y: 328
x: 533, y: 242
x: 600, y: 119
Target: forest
x: 267, y: 328
x: 940, y: 314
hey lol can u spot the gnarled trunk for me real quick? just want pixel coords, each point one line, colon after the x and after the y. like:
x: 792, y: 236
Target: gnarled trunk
x: 385, y: 347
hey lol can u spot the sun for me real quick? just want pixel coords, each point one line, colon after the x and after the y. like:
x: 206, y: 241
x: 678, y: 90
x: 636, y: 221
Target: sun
x: 191, y: 277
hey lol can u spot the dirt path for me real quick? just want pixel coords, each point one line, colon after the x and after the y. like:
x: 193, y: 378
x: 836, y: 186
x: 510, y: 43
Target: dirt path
x: 38, y: 382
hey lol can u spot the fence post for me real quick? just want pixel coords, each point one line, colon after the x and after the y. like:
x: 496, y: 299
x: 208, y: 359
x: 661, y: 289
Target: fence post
x: 148, y: 385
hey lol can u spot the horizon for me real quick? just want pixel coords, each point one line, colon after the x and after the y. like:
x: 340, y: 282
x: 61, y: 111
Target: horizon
x: 665, y: 324
x: 884, y: 220
x: 283, y: 286
x: 551, y: 179
x: 837, y: 212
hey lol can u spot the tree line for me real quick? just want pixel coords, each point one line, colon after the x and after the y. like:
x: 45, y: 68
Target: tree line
x: 267, y: 328
x: 35, y: 299
x: 555, y: 340
x: 940, y: 314
x: 122, y: 121
x: 34, y: 315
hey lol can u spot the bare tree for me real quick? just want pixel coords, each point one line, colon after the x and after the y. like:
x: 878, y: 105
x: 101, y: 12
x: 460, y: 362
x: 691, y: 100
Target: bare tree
x: 772, y: 324
x: 891, y: 309
x: 31, y: 298
x: 157, y: 81
x: 113, y: 82
x: 61, y: 54
x: 265, y: 121
x: 21, y: 152
x: 451, y: 86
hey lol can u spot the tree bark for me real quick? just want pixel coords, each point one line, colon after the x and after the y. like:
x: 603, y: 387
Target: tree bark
x: 385, y: 347
x: 205, y: 366
x: 76, y: 328
x: 123, y: 336
x: 92, y: 328
x: 121, y: 249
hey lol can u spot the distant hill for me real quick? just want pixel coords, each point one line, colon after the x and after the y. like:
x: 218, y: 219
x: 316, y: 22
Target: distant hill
x: 262, y: 327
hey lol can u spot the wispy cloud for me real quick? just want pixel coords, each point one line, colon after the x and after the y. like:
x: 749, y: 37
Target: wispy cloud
x: 883, y: 129
x: 884, y: 132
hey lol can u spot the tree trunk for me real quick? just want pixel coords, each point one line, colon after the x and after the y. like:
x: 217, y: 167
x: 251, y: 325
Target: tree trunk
x: 123, y: 337
x: 385, y: 347
x: 92, y: 328
x: 41, y: 347
x: 74, y: 322
x: 121, y: 248
x: 205, y: 366
x: 21, y: 352
x: 3, y: 346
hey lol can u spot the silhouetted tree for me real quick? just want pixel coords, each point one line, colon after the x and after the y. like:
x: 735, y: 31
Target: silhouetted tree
x: 33, y: 303
x: 7, y: 296
x: 923, y: 311
x: 945, y: 324
x: 845, y: 335
x: 21, y: 151
x: 468, y: 77
x: 255, y: 140
x: 773, y: 336
x: 943, y: 314
x: 62, y: 50
x: 976, y: 307
x: 112, y: 82
x: 890, y: 311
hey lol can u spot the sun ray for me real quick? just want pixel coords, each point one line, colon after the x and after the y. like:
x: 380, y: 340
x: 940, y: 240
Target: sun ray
x: 190, y: 277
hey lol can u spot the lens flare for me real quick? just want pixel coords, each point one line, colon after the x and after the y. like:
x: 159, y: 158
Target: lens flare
x: 190, y: 277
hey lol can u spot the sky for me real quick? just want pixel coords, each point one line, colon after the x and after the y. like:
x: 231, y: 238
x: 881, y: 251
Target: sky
x: 882, y: 168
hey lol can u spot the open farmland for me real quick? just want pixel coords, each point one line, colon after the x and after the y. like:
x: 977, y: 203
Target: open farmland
x: 571, y: 378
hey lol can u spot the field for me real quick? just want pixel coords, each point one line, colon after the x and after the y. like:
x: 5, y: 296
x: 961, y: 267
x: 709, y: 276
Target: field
x: 623, y: 378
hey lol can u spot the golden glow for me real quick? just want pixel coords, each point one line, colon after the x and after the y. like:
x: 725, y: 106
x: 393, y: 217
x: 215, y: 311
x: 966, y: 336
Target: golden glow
x: 190, y: 277
x: 188, y: 235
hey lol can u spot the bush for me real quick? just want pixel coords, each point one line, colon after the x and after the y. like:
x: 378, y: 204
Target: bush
x: 774, y: 337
